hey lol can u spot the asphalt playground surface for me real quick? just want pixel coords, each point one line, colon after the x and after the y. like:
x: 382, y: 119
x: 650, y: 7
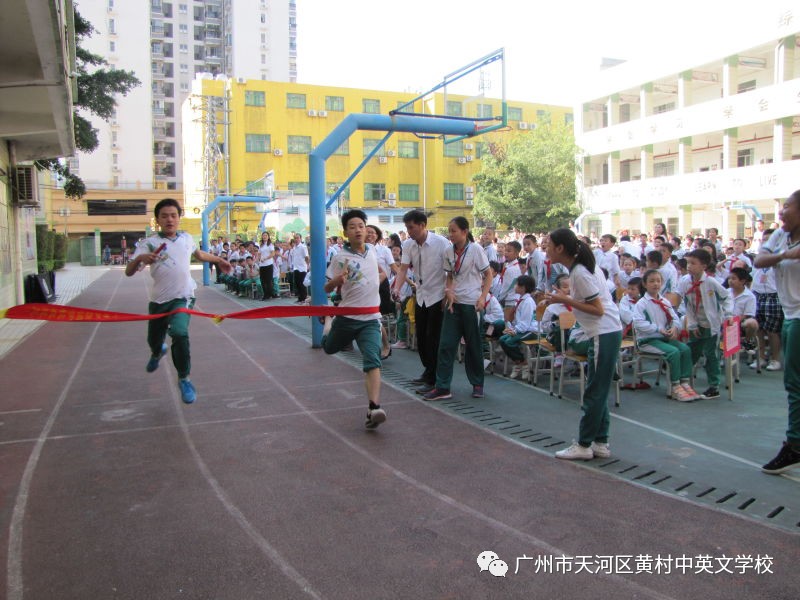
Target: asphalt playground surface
x: 270, y: 487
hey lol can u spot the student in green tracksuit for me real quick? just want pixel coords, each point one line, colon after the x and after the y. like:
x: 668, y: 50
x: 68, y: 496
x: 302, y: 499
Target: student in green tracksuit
x: 782, y: 252
x: 466, y: 286
x: 598, y: 315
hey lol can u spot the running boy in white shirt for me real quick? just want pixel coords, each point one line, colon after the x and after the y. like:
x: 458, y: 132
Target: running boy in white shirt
x: 355, y: 271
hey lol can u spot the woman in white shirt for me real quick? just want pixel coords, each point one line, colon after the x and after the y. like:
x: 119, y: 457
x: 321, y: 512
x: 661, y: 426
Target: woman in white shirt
x: 266, y: 262
x: 598, y: 315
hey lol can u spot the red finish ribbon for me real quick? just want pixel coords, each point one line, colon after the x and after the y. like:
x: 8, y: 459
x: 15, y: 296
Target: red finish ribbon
x: 59, y: 312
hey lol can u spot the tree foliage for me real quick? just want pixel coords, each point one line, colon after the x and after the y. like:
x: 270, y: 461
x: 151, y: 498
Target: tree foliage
x: 97, y: 83
x: 529, y: 183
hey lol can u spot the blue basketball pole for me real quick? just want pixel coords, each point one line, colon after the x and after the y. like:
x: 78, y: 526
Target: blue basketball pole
x: 316, y: 178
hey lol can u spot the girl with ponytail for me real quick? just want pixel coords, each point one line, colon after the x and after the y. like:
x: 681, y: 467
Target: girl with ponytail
x: 598, y: 315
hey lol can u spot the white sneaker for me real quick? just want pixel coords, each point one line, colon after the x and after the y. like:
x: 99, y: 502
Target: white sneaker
x: 774, y: 365
x: 400, y: 345
x: 600, y: 450
x: 755, y: 365
x: 575, y: 452
x: 525, y: 373
x: 515, y: 372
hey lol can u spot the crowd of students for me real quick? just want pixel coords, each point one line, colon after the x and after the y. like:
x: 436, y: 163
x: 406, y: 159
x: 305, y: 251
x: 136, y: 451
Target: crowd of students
x: 673, y: 293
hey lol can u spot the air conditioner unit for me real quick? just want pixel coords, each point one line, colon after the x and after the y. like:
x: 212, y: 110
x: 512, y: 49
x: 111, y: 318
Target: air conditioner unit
x: 469, y: 189
x: 114, y: 122
x: 114, y: 145
x: 469, y: 195
x: 392, y: 203
x: 469, y: 157
x: 468, y: 202
x: 391, y: 196
x: 323, y: 113
x: 391, y: 153
x: 277, y: 152
x: 522, y: 125
x: 241, y: 80
x: 26, y: 190
x: 462, y: 160
x: 312, y: 113
x: 382, y: 160
x: 468, y: 146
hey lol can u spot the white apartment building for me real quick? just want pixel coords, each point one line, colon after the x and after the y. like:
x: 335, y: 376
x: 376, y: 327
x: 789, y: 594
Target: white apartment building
x: 165, y: 44
x: 709, y: 142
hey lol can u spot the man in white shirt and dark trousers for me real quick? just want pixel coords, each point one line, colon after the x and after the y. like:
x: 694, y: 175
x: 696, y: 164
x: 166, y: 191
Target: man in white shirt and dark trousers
x: 299, y: 268
x: 424, y: 251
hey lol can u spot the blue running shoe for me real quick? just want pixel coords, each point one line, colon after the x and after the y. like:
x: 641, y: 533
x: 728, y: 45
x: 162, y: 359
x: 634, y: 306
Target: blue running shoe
x: 152, y: 364
x: 188, y: 393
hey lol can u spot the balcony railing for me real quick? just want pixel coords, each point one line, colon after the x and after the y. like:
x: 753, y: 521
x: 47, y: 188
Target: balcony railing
x: 723, y: 188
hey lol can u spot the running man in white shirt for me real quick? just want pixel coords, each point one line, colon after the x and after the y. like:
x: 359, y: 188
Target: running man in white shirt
x: 169, y: 254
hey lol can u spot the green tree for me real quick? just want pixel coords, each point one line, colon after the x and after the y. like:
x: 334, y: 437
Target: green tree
x: 529, y: 183
x: 97, y: 86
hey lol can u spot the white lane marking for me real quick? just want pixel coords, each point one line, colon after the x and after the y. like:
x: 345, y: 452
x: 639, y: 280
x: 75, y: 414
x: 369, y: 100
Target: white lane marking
x: 14, y: 575
x: 266, y: 548
x: 686, y: 440
x: 17, y: 412
x: 444, y: 498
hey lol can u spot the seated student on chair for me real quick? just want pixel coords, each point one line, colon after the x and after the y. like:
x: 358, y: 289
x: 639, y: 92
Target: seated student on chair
x: 744, y: 302
x: 658, y: 328
x: 549, y: 325
x: 633, y: 292
x: 492, y: 318
x: 522, y: 328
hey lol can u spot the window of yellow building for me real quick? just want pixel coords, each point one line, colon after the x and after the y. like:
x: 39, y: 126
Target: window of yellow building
x: 485, y: 111
x: 408, y: 192
x: 299, y: 144
x: 334, y: 103
x: 454, y: 192
x: 295, y: 100
x: 299, y: 187
x: 254, y: 98
x: 335, y: 185
x: 374, y: 191
x: 454, y: 109
x: 257, y: 142
x: 407, y: 109
x: 454, y: 149
x: 407, y: 149
x: 514, y: 113
x: 344, y: 149
x: 369, y: 144
x: 371, y: 105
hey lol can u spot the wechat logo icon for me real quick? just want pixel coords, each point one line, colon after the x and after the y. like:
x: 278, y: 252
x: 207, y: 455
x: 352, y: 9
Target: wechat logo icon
x: 489, y: 561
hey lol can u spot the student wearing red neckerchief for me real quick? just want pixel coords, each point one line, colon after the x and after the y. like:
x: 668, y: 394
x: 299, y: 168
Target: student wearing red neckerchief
x: 708, y: 305
x: 658, y: 328
x: 466, y: 287
x: 508, y: 278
